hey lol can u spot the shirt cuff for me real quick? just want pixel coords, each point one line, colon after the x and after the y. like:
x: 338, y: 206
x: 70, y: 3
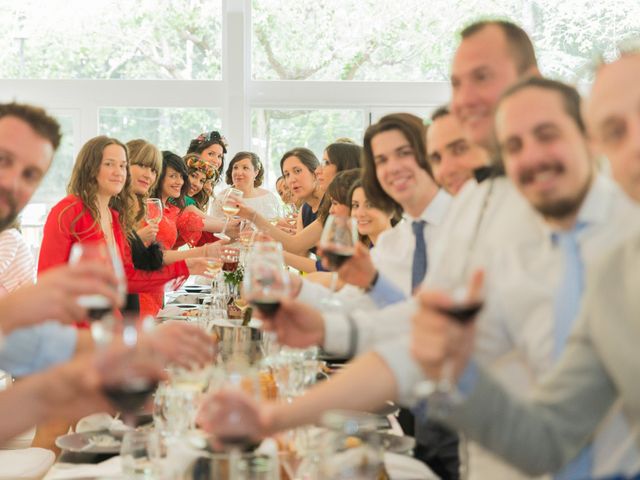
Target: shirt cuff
x: 29, y: 350
x: 337, y: 334
x: 384, y: 292
x: 311, y: 293
x: 407, y: 373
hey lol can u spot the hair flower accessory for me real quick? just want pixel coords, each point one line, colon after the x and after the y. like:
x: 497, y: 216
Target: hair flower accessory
x: 213, y: 137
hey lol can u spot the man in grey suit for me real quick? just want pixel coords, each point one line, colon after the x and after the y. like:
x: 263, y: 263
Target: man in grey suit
x: 600, y: 364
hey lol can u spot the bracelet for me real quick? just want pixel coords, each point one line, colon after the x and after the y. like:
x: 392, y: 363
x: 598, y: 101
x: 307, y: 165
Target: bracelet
x: 374, y: 280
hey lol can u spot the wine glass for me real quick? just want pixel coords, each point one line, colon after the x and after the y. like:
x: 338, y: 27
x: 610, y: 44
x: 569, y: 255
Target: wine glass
x: 266, y: 282
x: 230, y: 257
x: 230, y: 208
x: 337, y: 242
x: 467, y: 302
x: 153, y: 211
x: 96, y: 250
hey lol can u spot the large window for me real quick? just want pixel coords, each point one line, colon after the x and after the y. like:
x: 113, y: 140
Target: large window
x: 276, y: 131
x: 168, y: 128
x: 413, y: 40
x: 111, y: 39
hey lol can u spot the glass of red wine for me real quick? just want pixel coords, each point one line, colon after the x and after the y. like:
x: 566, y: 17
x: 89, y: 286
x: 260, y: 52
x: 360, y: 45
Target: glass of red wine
x: 466, y: 305
x: 132, y: 394
x: 337, y: 243
x: 265, y: 281
x: 230, y: 257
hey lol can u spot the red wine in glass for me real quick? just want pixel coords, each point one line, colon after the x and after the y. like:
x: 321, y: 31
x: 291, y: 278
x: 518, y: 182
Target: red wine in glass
x: 230, y: 265
x: 335, y: 257
x: 463, y: 312
x: 267, y: 306
x: 130, y: 397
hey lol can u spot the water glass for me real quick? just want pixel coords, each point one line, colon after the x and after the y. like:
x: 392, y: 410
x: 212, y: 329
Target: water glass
x: 141, y: 453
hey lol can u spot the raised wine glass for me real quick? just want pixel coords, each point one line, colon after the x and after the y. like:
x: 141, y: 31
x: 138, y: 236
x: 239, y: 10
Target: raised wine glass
x: 153, y: 211
x: 129, y: 396
x: 467, y: 300
x: 337, y: 243
x: 95, y: 250
x: 229, y: 208
x: 266, y: 281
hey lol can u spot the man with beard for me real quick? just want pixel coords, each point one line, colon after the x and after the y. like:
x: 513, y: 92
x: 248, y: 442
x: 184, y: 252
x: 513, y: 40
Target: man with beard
x: 535, y: 288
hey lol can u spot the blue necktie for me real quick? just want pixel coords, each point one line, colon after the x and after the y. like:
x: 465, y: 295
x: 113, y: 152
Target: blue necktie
x: 567, y: 305
x: 419, y: 266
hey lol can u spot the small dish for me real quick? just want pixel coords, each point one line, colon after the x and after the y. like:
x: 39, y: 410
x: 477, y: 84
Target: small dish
x: 89, y: 442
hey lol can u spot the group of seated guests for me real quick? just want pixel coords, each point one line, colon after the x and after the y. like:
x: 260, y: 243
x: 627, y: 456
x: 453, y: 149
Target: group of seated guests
x: 499, y: 204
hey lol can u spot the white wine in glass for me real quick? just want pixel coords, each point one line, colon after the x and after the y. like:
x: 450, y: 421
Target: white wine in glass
x: 153, y: 211
x: 230, y: 208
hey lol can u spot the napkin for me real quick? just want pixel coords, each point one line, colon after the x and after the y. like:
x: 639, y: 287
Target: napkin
x: 403, y: 467
x: 94, y: 423
x: 109, y: 468
x: 25, y: 463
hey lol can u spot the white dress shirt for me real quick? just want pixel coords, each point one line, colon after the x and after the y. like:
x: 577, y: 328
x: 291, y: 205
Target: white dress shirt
x: 522, y: 282
x: 516, y: 328
x: 393, y: 258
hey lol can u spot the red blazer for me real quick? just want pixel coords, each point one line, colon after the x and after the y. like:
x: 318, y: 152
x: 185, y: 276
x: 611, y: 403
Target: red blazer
x: 69, y: 222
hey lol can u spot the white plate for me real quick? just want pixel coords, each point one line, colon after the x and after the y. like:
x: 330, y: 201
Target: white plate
x: 186, y: 306
x: 197, y: 289
x: 89, y: 442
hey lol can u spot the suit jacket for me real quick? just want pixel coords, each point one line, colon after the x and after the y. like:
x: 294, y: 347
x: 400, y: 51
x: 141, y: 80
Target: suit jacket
x: 600, y: 365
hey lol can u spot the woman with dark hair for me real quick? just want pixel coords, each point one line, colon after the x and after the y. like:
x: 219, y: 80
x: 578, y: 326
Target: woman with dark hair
x: 337, y: 157
x: 245, y: 172
x: 200, y: 172
x: 212, y: 148
x: 337, y: 196
x: 181, y: 223
x: 371, y: 221
x: 298, y: 167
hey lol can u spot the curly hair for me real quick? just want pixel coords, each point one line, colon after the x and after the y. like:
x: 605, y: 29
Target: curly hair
x: 255, y: 161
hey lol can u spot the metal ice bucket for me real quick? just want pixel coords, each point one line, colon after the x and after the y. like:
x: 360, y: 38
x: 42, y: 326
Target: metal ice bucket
x: 247, y: 342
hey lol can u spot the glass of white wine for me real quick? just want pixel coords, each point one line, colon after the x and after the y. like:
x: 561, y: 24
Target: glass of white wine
x: 230, y: 208
x: 153, y: 211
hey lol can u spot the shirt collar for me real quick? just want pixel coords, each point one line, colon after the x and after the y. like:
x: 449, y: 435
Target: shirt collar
x: 596, y: 206
x: 435, y: 212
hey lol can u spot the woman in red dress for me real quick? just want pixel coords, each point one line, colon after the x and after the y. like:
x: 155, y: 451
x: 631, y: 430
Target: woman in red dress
x: 95, y: 208
x: 185, y: 224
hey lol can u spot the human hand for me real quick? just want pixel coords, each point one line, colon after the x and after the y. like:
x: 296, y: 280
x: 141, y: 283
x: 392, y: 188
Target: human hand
x: 76, y: 388
x: 233, y: 413
x: 233, y: 228
x: 182, y: 344
x: 148, y: 233
x: 438, y: 338
x: 359, y: 269
x: 297, y: 325
x: 55, y: 296
x: 198, y: 266
x: 286, y: 225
